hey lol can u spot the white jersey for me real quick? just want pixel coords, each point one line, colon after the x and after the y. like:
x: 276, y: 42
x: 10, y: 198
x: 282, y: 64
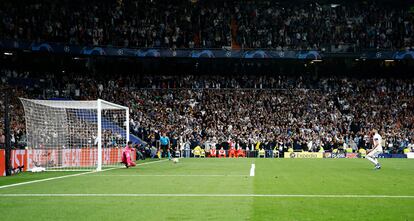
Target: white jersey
x: 377, y: 150
x: 378, y: 139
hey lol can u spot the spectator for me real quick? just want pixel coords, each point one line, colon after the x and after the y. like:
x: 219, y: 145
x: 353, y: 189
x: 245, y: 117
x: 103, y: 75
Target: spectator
x: 205, y: 24
x: 293, y: 112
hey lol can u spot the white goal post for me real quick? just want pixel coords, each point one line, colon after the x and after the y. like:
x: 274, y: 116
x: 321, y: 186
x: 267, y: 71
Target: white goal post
x: 75, y: 135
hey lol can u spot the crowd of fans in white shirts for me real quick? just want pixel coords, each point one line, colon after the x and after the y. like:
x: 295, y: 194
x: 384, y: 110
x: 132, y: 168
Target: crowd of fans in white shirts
x: 210, y: 24
x: 298, y: 112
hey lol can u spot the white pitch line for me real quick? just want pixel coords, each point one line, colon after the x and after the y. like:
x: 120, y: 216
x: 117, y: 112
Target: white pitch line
x: 169, y: 175
x: 252, y: 168
x: 151, y: 162
x: 200, y: 195
x: 47, y: 179
x: 66, y: 176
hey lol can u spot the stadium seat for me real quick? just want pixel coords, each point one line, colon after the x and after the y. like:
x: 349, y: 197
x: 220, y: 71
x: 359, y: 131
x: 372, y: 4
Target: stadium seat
x: 262, y: 153
x: 362, y: 152
x: 406, y: 150
x: 276, y: 152
x: 213, y: 153
x: 202, y: 153
x: 222, y: 153
x: 240, y: 153
x: 232, y: 152
x: 197, y: 151
x: 177, y: 153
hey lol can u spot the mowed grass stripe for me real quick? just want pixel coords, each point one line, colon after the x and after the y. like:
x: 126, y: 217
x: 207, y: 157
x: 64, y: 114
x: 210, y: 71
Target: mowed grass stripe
x: 282, y: 189
x: 200, y: 195
x: 70, y: 175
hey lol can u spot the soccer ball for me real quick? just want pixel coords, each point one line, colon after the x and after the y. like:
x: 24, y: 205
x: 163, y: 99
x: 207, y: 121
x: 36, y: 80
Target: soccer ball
x: 175, y: 160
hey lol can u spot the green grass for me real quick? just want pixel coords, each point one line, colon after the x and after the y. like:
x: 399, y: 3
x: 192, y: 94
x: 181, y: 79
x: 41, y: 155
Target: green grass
x: 218, y: 177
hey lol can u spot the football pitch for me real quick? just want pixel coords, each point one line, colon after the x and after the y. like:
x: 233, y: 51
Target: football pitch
x: 217, y: 189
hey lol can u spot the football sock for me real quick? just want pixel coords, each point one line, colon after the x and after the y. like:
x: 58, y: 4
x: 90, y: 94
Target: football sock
x: 372, y: 160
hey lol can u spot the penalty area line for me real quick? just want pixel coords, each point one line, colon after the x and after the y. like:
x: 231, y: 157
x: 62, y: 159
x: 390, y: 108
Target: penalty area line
x: 168, y: 175
x: 67, y: 176
x: 200, y: 195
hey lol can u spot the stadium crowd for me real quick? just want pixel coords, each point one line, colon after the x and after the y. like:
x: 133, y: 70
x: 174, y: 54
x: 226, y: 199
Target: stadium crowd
x: 297, y: 112
x: 209, y: 24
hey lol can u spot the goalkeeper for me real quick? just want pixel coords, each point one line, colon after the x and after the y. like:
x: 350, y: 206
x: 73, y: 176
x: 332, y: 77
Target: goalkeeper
x: 126, y: 156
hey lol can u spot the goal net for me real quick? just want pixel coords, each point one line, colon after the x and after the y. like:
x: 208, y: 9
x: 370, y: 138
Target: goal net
x: 75, y: 135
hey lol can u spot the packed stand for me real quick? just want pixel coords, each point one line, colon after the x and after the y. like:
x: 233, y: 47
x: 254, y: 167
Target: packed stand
x: 270, y: 112
x: 210, y: 24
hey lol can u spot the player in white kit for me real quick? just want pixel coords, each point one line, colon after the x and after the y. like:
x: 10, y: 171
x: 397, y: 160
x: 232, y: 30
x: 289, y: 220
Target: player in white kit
x: 376, y: 149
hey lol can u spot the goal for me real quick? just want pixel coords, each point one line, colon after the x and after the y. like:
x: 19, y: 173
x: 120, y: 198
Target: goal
x: 75, y: 135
